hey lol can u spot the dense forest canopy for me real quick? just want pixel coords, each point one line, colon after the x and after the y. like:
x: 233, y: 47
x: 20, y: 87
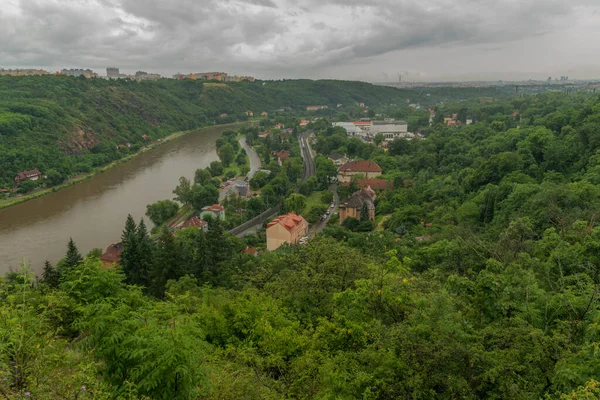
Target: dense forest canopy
x: 479, y: 278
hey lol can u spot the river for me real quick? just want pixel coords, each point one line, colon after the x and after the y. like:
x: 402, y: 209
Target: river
x: 93, y: 212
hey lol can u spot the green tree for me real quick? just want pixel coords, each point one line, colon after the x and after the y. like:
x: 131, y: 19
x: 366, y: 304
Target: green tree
x: 161, y: 211
x: 183, y: 191
x: 167, y: 262
x: 50, y: 275
x: 73, y: 256
x: 226, y: 154
x: 259, y: 180
x: 295, y: 203
x: 216, y: 168
x: 145, y: 247
x: 364, y: 212
x: 203, y: 196
x: 129, y: 254
x: 54, y: 178
x: 202, y: 176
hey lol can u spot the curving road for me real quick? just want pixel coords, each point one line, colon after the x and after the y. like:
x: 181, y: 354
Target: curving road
x: 255, y: 166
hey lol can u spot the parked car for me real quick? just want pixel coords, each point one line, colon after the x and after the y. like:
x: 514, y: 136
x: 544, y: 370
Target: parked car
x: 332, y: 205
x: 328, y: 212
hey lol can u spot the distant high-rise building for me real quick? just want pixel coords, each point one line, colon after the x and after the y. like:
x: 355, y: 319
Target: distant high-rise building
x: 113, y: 72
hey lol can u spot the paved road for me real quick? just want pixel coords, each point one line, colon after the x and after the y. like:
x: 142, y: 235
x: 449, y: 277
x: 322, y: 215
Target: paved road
x: 255, y: 165
x: 319, y: 226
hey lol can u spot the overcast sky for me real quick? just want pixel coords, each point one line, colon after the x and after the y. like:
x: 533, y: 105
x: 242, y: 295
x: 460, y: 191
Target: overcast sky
x: 371, y: 40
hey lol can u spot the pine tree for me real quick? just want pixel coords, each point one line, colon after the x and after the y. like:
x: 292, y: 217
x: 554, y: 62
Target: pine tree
x: 73, y: 257
x: 202, y: 257
x: 166, y: 263
x: 50, y: 276
x: 129, y: 255
x: 144, y: 257
x: 364, y: 212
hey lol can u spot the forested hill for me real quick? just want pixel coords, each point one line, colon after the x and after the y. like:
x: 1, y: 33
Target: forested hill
x: 67, y: 125
x: 297, y: 94
x: 71, y: 125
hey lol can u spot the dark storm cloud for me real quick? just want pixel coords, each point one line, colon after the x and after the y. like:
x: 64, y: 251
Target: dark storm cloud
x: 293, y: 37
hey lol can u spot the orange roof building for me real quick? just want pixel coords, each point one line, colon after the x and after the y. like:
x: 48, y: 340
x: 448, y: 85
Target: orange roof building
x: 369, y: 169
x: 112, y: 256
x: 193, y: 222
x: 289, y: 228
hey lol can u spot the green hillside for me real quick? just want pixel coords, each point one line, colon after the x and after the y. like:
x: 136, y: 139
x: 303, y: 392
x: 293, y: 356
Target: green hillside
x: 72, y: 125
x: 64, y: 126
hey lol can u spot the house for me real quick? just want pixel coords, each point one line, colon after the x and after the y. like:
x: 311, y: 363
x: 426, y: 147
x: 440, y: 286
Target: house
x: 4, y: 191
x: 352, y: 206
x: 144, y: 137
x: 214, y: 211
x: 289, y: 228
x: 224, y: 115
x: 249, y: 113
x: 361, y: 104
x: 31, y: 175
x: 282, y: 156
x: 264, y: 134
x: 264, y: 114
x: 193, y: 222
x: 338, y: 159
x: 375, y: 184
x: 251, y: 251
x: 279, y: 126
x: 112, y: 256
x: 304, y: 122
x: 368, y: 168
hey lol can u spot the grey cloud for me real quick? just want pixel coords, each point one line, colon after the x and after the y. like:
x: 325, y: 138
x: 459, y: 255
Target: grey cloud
x: 268, y: 37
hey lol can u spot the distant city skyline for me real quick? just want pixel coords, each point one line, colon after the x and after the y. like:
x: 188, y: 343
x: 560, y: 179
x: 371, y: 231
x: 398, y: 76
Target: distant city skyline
x: 461, y: 40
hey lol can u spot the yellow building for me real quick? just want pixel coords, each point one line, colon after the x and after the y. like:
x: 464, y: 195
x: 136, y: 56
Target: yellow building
x: 351, y: 206
x: 289, y: 228
x: 368, y: 169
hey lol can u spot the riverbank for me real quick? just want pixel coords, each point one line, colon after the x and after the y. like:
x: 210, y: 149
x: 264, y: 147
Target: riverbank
x: 82, y: 178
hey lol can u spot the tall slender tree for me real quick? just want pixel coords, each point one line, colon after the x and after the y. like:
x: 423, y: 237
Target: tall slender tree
x: 364, y: 212
x: 50, y: 275
x: 73, y: 256
x: 145, y: 254
x: 129, y: 255
x: 166, y: 263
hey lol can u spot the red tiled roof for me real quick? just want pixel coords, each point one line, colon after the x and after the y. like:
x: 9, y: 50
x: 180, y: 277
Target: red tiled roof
x: 194, y: 221
x: 4, y: 190
x: 362, y: 122
x: 283, y: 154
x: 113, y: 253
x: 26, y: 174
x: 214, y: 208
x: 361, y: 166
x: 289, y: 221
x: 144, y: 137
x: 377, y: 184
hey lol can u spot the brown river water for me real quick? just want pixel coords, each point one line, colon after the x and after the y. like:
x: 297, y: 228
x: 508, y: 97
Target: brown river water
x: 93, y: 212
